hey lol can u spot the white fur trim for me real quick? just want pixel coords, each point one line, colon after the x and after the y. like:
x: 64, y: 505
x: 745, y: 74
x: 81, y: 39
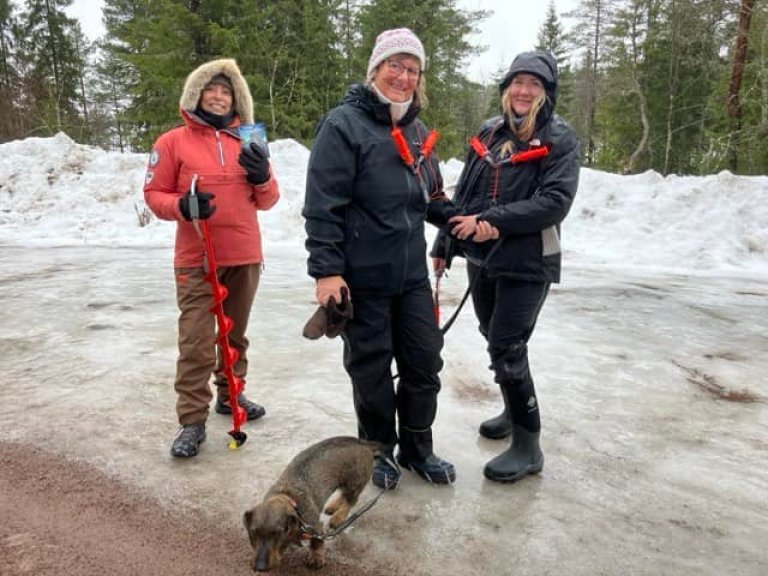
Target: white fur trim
x: 199, y: 78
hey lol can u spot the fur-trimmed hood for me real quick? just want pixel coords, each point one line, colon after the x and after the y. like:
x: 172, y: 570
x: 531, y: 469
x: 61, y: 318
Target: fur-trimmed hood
x: 199, y: 78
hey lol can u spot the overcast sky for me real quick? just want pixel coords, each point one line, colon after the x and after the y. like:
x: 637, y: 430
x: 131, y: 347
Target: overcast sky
x: 512, y: 28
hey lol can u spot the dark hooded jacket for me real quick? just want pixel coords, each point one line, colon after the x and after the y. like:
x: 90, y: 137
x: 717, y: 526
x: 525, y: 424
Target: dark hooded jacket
x: 364, y: 208
x: 526, y: 201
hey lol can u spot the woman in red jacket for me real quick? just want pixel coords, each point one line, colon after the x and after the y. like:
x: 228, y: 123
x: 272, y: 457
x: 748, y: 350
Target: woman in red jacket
x: 233, y: 183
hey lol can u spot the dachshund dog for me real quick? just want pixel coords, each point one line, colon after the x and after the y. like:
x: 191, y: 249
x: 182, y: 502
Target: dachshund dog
x: 326, y: 477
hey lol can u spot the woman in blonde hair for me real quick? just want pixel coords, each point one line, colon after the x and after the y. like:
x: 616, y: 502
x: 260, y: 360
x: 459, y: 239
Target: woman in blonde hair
x: 517, y: 186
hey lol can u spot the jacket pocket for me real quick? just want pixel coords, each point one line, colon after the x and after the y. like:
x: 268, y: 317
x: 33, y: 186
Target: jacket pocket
x: 550, y: 241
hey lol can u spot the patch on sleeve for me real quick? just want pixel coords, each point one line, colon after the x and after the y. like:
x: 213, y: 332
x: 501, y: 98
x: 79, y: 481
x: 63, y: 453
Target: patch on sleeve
x: 154, y: 158
x: 148, y: 177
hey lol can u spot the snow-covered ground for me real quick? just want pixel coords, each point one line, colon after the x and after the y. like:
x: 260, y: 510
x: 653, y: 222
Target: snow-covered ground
x: 650, y: 362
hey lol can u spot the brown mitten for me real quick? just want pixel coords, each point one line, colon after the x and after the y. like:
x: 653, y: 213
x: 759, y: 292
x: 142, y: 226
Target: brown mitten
x: 337, y: 315
x: 315, y: 326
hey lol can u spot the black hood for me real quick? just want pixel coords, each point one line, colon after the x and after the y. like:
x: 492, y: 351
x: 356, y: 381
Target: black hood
x: 538, y: 63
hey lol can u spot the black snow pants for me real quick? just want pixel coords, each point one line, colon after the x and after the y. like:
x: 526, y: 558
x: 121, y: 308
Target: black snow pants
x: 507, y: 310
x: 400, y: 327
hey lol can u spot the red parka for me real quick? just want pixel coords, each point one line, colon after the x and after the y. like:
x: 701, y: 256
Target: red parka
x: 200, y: 149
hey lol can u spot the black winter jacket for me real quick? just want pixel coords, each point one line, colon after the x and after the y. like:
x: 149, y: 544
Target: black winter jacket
x: 531, y: 200
x: 364, y: 209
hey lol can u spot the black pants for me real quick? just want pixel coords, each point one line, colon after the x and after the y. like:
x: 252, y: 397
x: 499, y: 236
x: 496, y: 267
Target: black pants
x: 401, y: 327
x: 507, y: 310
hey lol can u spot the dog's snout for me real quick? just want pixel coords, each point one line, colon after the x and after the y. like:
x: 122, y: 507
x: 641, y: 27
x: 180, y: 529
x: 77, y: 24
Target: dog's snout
x: 261, y: 563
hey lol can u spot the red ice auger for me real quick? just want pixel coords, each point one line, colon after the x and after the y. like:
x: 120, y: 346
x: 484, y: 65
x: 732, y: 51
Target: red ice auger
x: 224, y: 323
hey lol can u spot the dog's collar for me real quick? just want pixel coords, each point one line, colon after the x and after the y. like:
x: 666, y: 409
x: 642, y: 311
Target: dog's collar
x: 308, y: 532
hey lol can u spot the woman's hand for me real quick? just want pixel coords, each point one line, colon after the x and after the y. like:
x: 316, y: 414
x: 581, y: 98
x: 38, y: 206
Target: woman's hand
x: 464, y: 226
x: 327, y: 287
x: 438, y: 266
x: 485, y: 231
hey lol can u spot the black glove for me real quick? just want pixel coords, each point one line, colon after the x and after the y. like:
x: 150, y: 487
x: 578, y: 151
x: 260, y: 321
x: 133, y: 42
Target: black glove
x: 204, y: 207
x: 254, y: 159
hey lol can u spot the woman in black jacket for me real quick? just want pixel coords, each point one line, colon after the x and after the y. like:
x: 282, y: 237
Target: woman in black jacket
x: 517, y: 186
x: 372, y: 180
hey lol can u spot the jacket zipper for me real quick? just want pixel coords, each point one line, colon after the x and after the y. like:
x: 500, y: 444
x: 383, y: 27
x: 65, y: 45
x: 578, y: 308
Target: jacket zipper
x: 408, y: 194
x: 221, y: 148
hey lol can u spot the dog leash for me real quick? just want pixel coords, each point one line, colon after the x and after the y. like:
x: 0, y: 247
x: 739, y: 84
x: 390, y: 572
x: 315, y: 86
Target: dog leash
x: 309, y: 532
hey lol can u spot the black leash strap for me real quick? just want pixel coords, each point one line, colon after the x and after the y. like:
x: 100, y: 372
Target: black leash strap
x: 351, y: 519
x: 469, y: 289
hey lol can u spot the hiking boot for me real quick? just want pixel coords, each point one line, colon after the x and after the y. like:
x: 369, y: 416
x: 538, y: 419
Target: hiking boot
x: 385, y: 475
x: 432, y: 468
x: 253, y: 410
x: 187, y: 441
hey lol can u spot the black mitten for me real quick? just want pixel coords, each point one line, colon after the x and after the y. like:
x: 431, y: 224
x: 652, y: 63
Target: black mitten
x: 204, y: 207
x: 254, y: 159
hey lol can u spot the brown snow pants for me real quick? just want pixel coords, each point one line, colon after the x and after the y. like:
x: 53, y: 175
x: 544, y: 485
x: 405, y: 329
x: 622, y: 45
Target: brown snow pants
x: 198, y: 354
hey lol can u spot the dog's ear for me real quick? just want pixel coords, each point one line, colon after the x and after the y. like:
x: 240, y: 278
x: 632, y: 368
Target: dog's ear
x: 293, y: 525
x: 247, y: 518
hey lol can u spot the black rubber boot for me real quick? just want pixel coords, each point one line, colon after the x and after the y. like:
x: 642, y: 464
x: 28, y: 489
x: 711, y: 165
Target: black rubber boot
x: 523, y: 457
x: 416, y: 455
x: 187, y: 441
x: 499, y: 426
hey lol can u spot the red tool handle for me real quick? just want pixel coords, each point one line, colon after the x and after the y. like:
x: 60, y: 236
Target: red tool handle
x: 429, y: 143
x: 527, y: 155
x: 402, y: 146
x: 479, y: 148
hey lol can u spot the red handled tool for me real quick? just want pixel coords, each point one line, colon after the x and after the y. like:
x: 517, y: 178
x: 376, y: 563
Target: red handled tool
x: 407, y: 157
x: 525, y: 156
x: 436, y: 294
x: 224, y: 323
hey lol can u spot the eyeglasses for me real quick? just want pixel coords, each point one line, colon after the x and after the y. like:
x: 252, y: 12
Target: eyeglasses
x: 397, y: 67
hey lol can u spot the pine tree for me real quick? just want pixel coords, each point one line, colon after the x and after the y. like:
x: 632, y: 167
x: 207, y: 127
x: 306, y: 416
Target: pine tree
x: 11, y: 123
x: 52, y: 66
x: 592, y: 18
x: 551, y: 37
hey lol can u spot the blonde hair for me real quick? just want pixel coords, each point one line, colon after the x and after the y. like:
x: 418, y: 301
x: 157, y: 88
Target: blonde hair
x: 526, y: 129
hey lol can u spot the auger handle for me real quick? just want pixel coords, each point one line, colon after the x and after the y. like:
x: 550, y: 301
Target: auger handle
x: 402, y: 146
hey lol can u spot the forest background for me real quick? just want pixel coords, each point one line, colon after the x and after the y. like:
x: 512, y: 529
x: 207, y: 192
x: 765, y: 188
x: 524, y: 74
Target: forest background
x: 676, y: 86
